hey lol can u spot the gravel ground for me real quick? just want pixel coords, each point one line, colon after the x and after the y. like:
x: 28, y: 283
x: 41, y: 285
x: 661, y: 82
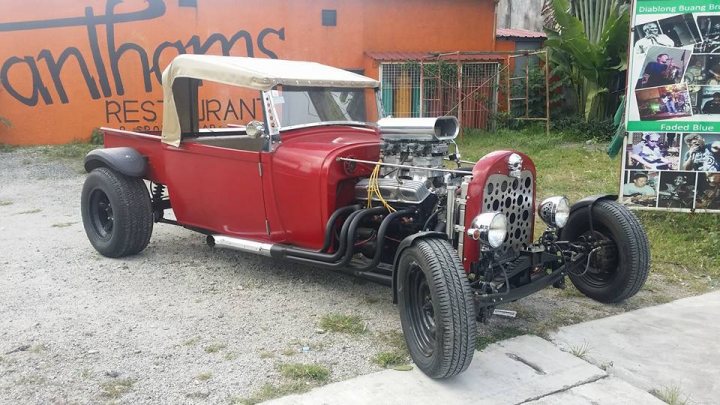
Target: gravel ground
x: 181, y: 322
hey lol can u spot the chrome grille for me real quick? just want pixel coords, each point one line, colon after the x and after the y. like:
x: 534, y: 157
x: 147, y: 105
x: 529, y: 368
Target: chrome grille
x: 514, y: 198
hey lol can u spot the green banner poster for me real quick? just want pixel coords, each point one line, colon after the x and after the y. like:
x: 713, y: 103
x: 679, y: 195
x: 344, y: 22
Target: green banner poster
x: 671, y: 158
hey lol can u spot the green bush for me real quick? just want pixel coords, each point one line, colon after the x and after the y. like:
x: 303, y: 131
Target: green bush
x: 505, y: 120
x: 591, y: 129
x: 96, y: 137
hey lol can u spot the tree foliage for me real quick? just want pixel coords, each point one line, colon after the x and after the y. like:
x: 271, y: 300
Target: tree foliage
x: 588, y: 46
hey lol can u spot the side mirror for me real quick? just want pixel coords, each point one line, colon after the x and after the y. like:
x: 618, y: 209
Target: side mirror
x: 255, y: 129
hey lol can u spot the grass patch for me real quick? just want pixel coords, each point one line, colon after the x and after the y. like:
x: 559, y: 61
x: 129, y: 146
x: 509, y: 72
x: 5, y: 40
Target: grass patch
x: 5, y: 148
x: 73, y: 150
x: 351, y: 324
x: 498, y: 335
x: 33, y: 211
x: 269, y: 391
x: 390, y: 359
x: 670, y: 395
x: 5, y: 203
x: 114, y: 389
x: 204, y: 376
x: 684, y: 247
x: 306, y: 372
x: 580, y: 351
x: 214, y: 348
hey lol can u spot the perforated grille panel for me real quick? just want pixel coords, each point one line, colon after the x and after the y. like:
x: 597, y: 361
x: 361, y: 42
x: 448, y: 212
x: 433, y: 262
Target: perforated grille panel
x: 514, y: 198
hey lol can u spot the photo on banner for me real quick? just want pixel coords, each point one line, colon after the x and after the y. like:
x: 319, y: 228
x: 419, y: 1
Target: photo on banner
x: 640, y: 188
x: 676, y: 31
x: 652, y: 151
x: 708, y: 191
x: 703, y: 70
x: 664, y: 102
x: 709, y: 26
x: 663, y: 66
x: 706, y: 101
x: 701, y: 152
x: 677, y: 190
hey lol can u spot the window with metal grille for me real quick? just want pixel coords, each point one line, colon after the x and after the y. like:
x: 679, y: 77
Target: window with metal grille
x: 422, y: 89
x: 401, y: 89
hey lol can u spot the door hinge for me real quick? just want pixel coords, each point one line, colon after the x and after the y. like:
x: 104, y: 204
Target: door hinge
x: 260, y: 168
x: 267, y: 226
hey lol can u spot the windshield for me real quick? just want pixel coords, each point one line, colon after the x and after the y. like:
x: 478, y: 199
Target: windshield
x: 312, y: 105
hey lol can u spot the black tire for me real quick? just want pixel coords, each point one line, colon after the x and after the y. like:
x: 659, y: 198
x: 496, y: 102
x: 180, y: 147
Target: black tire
x: 617, y: 271
x: 116, y: 213
x: 436, y: 308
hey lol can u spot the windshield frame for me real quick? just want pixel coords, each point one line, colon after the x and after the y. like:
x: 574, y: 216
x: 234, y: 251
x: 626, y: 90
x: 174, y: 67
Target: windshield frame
x: 272, y: 116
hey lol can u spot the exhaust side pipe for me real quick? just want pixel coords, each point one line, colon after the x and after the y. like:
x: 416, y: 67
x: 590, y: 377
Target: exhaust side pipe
x: 243, y: 245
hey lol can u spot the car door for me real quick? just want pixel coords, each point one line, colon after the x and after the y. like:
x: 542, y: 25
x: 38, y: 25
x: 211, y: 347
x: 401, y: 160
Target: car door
x: 217, y: 189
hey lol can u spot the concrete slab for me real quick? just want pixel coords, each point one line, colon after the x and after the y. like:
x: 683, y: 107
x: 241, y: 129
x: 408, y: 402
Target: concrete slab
x: 664, y: 347
x: 607, y: 391
x: 508, y: 372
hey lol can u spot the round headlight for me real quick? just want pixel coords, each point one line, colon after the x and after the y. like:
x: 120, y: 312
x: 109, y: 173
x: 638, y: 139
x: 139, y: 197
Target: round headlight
x: 555, y: 211
x: 489, y: 228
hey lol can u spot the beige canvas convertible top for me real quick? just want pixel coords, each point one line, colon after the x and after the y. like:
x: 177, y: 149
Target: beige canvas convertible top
x: 180, y: 76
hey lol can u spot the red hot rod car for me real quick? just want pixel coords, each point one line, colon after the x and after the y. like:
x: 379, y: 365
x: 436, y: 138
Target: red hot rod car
x: 324, y: 179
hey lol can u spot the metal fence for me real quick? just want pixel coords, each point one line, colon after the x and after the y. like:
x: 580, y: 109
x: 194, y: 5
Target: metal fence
x: 484, y: 95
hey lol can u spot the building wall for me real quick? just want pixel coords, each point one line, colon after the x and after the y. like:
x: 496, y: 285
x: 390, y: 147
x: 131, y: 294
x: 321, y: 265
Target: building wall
x: 68, y: 67
x: 524, y: 14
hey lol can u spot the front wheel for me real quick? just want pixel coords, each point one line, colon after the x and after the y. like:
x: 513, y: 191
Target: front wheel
x: 116, y: 213
x: 619, y: 262
x: 436, y: 308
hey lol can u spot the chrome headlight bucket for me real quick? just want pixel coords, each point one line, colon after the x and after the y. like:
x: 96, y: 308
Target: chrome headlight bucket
x: 555, y: 211
x: 489, y: 228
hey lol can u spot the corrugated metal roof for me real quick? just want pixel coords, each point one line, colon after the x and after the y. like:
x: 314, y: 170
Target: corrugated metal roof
x: 519, y: 33
x: 429, y: 56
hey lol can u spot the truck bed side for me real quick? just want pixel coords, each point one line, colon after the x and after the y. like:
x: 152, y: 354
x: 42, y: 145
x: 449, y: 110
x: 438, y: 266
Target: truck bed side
x: 148, y: 144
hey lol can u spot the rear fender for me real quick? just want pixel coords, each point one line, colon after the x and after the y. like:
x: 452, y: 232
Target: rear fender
x: 406, y: 243
x: 127, y: 161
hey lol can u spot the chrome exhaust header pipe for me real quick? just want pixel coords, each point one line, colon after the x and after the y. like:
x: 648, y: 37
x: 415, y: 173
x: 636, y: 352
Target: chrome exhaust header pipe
x: 243, y: 245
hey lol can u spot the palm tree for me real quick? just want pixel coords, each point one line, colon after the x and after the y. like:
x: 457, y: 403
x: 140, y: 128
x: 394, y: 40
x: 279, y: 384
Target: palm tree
x: 588, y: 42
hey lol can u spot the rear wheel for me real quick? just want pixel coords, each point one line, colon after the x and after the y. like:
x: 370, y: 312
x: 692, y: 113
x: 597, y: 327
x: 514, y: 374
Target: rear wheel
x: 620, y: 259
x: 436, y: 308
x: 116, y: 213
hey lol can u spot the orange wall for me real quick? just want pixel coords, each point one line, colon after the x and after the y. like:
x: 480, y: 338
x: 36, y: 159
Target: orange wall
x: 112, y: 91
